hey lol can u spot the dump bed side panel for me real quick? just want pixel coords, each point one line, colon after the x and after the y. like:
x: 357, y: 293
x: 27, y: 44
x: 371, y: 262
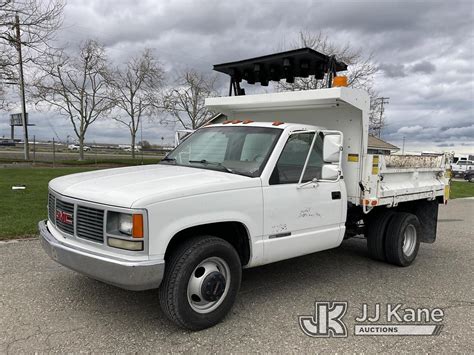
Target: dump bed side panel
x: 397, y: 178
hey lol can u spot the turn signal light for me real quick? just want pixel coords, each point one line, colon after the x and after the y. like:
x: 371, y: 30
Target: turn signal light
x: 366, y: 202
x: 137, y: 231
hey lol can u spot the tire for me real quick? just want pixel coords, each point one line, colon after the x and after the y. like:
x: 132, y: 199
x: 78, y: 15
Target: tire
x: 376, y: 234
x: 402, y: 239
x: 200, y: 261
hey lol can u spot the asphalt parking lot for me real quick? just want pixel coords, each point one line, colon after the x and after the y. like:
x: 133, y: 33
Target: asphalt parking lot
x: 45, y: 307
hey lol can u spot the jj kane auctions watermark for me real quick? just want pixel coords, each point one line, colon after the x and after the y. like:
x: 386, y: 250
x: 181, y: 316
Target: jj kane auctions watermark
x: 388, y: 320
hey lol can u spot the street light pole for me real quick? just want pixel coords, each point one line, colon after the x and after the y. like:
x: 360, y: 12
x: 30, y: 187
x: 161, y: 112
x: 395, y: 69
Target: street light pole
x: 22, y: 89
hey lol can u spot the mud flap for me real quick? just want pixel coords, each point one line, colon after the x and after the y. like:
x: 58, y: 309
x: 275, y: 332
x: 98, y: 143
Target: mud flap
x: 427, y: 213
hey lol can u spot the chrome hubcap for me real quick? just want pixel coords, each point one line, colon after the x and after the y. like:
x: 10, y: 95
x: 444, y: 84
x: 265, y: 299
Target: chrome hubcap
x: 409, y: 240
x: 208, y: 285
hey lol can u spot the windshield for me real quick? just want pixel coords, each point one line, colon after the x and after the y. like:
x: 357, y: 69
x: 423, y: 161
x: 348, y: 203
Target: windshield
x: 239, y: 150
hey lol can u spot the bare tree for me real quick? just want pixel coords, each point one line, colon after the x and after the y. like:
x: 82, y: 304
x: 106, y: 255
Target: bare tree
x: 2, y: 97
x: 377, y: 115
x: 185, y: 103
x: 76, y: 87
x: 135, y: 90
x: 39, y: 20
x: 26, y: 28
x: 361, y: 68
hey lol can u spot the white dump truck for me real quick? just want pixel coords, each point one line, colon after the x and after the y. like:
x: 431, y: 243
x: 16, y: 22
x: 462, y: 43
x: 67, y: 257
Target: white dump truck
x: 286, y: 175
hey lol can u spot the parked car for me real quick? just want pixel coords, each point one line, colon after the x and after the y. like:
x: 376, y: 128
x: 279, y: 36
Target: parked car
x: 77, y: 147
x: 7, y: 142
x: 461, y: 167
x: 129, y: 149
x: 469, y: 176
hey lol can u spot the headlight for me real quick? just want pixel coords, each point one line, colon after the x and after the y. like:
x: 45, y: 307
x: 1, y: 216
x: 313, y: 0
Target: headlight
x: 125, y: 224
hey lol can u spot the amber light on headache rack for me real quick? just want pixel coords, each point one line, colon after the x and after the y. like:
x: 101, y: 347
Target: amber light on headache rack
x: 339, y: 81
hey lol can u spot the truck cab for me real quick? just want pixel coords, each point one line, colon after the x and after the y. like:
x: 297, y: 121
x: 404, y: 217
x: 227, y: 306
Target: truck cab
x: 299, y: 177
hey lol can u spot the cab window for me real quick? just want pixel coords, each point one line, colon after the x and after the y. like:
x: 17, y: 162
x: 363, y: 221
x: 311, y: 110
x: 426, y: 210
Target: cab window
x: 291, y: 162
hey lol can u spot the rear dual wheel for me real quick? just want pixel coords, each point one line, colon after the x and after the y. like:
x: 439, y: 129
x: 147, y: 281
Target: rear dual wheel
x: 376, y: 234
x: 394, y: 237
x: 402, y: 239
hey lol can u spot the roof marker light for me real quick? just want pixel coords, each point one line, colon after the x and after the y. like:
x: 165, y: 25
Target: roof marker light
x: 277, y: 123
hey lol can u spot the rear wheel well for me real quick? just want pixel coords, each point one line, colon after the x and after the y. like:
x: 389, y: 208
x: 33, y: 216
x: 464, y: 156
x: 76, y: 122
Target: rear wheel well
x: 233, y: 232
x: 425, y: 210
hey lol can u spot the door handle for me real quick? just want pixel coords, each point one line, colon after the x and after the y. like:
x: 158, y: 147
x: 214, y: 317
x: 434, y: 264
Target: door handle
x: 336, y: 195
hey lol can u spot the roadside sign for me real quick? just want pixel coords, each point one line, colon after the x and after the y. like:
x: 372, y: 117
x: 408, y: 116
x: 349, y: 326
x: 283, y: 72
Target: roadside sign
x: 16, y: 119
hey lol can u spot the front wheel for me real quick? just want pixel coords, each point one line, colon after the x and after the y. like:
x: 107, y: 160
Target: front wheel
x: 201, y: 282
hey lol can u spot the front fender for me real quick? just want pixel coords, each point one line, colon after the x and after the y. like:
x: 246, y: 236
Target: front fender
x: 168, y: 218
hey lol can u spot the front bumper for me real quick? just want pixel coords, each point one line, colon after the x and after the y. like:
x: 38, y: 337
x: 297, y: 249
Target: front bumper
x: 130, y: 275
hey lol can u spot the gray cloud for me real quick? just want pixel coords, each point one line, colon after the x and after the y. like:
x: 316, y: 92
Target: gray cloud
x: 424, y: 51
x: 393, y: 70
x: 424, y: 67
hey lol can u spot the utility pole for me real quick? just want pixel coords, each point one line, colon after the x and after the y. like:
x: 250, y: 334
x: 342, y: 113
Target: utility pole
x: 141, y: 138
x: 22, y: 89
x: 403, y: 146
x: 377, y: 127
x: 383, y: 101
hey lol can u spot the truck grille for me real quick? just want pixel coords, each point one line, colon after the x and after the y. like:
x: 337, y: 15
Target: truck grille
x: 66, y: 225
x: 88, y: 222
x: 52, y: 208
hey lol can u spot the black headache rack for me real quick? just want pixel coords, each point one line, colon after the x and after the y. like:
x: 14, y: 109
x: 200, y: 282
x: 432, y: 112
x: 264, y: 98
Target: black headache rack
x: 287, y: 65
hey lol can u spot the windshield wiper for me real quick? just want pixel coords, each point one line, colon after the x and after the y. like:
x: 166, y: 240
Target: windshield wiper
x: 168, y: 159
x: 206, y: 162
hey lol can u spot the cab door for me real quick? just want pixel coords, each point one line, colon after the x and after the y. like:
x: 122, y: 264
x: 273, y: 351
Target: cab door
x: 302, y: 212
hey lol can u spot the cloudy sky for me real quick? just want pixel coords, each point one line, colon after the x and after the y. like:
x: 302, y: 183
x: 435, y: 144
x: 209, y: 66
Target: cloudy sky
x: 424, y: 50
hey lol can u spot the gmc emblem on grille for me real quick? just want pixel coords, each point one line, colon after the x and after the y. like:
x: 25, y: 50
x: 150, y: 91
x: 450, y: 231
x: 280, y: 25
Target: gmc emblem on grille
x: 64, y: 217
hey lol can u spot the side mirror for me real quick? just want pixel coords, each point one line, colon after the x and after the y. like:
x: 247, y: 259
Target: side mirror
x: 330, y: 172
x: 332, y: 146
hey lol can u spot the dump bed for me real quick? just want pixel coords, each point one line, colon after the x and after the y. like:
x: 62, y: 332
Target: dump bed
x: 400, y: 178
x: 371, y: 180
